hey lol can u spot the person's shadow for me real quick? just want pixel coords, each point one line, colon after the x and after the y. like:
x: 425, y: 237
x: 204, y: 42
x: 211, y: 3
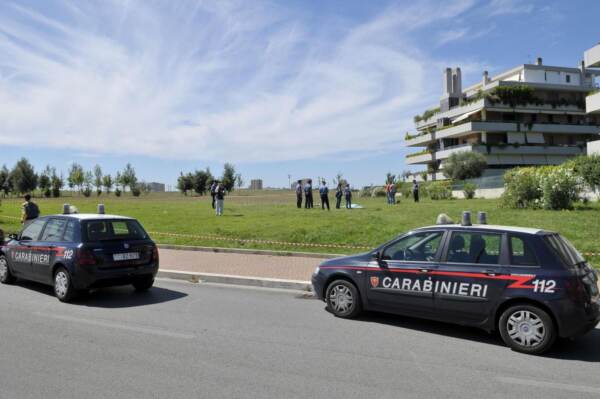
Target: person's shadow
x: 112, y: 297
x: 585, y: 348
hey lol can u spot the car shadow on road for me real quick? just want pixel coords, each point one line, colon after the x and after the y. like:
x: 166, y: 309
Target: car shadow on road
x: 585, y: 348
x: 113, y: 297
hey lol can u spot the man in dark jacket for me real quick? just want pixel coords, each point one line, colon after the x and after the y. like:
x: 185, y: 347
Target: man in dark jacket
x: 30, y: 211
x: 339, y: 193
x: 213, y: 191
x: 299, y: 194
x: 348, y: 195
x: 324, y: 193
x: 308, y: 201
x: 415, y: 190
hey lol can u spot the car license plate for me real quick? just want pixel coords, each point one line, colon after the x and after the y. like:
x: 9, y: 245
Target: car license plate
x: 126, y: 256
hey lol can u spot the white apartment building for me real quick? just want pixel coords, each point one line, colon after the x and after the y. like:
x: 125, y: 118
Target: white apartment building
x: 533, y: 114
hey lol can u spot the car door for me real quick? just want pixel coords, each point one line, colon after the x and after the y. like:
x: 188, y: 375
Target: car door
x: 20, y: 255
x: 403, y: 282
x: 44, y: 251
x: 472, y: 275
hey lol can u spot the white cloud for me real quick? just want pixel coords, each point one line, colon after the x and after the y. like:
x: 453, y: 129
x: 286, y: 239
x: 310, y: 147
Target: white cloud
x: 212, y: 81
x: 504, y: 7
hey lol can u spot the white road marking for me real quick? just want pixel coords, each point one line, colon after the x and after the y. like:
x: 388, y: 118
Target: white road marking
x: 120, y: 326
x: 549, y: 385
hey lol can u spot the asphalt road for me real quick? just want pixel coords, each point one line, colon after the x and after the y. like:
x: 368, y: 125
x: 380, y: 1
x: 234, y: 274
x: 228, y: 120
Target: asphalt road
x: 183, y: 340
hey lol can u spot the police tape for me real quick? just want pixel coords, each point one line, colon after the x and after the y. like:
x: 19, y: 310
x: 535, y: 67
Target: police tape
x: 10, y: 217
x: 256, y: 241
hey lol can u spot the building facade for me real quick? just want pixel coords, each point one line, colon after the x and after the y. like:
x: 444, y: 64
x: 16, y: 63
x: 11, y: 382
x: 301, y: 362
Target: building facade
x: 530, y: 115
x: 256, y: 184
x: 157, y: 187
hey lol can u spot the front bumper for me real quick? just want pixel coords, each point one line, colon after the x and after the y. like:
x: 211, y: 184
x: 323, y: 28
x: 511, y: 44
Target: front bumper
x: 318, y: 284
x: 85, y: 277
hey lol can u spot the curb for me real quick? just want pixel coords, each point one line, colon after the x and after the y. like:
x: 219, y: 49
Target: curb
x: 236, y: 280
x: 247, y: 251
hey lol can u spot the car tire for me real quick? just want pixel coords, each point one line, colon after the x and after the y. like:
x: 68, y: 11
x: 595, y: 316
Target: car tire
x: 527, y: 329
x: 143, y: 284
x: 6, y: 276
x: 343, y: 299
x: 63, y: 285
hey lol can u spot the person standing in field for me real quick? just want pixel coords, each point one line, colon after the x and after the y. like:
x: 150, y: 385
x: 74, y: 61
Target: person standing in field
x: 415, y: 190
x: 387, y: 193
x: 324, y: 192
x: 220, y: 199
x: 393, y: 190
x: 339, y: 193
x: 308, y: 197
x: 299, y: 194
x: 30, y: 211
x: 213, y: 191
x: 348, y: 195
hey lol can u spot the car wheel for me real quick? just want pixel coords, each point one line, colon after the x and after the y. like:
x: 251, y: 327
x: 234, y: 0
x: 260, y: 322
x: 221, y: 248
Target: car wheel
x: 63, y: 286
x: 6, y: 276
x: 343, y: 299
x: 527, y: 329
x: 143, y: 284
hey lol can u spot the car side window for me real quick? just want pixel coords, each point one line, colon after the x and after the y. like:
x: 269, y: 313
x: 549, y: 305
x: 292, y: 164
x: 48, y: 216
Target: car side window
x: 474, y: 247
x: 32, y: 232
x: 521, y: 252
x: 415, y: 247
x: 69, y: 235
x: 54, y: 230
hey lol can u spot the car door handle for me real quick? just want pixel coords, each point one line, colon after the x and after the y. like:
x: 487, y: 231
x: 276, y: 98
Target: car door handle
x: 424, y: 270
x: 491, y: 273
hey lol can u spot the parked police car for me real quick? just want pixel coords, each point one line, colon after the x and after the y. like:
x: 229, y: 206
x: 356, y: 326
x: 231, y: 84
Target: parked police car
x: 76, y: 252
x: 531, y: 285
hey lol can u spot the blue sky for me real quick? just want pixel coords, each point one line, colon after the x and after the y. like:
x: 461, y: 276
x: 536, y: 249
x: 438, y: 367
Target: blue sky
x: 294, y: 87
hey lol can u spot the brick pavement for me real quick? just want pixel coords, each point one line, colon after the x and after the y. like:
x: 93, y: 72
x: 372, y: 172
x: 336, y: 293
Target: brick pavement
x: 248, y: 265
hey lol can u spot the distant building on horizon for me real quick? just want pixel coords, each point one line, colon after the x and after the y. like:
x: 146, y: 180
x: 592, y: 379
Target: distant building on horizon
x: 533, y: 114
x: 256, y: 184
x: 157, y: 187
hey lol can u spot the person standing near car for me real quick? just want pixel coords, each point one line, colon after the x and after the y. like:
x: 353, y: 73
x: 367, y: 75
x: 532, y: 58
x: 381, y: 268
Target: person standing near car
x: 220, y: 199
x: 324, y: 193
x: 348, y: 195
x: 415, y: 190
x: 339, y: 193
x: 308, y: 197
x: 30, y: 211
x: 393, y: 190
x: 213, y: 191
x: 299, y: 194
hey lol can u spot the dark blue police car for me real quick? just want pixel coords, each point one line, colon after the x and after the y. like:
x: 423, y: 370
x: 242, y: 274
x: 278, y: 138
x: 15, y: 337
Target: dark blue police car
x: 76, y: 252
x: 531, y: 285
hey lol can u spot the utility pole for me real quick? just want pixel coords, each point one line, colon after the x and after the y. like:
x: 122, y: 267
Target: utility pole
x: 289, y: 181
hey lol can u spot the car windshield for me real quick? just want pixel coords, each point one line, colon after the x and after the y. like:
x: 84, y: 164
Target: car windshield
x: 103, y: 230
x: 565, y: 249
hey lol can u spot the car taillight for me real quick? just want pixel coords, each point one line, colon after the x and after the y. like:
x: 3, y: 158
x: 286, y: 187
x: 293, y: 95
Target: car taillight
x: 576, y: 290
x: 85, y: 257
x: 155, y: 254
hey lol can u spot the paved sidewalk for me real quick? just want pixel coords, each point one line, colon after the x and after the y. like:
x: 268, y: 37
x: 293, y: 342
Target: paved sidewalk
x: 247, y: 265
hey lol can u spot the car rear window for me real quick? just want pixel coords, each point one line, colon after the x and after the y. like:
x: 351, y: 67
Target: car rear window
x: 564, y: 249
x: 103, y: 230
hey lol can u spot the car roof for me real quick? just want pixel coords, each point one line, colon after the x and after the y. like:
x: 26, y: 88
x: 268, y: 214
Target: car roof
x: 495, y: 227
x: 90, y: 216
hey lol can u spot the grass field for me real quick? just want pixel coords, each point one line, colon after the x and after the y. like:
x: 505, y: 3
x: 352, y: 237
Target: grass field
x: 272, y: 216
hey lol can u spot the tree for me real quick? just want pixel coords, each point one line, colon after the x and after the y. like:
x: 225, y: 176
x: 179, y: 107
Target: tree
x: 5, y: 183
x: 239, y: 182
x: 185, y: 183
x: 228, y: 178
x: 588, y: 168
x: 56, y: 182
x: 44, y: 182
x: 98, y: 179
x: 390, y: 178
x: 464, y: 165
x: 88, y: 178
x: 107, y: 182
x: 200, y: 181
x: 128, y: 177
x: 76, y: 176
x: 339, y: 180
x: 23, y: 177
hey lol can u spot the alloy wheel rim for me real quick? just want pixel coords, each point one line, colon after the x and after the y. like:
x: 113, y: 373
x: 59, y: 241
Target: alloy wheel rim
x: 341, y: 298
x: 526, y: 328
x: 3, y: 268
x: 61, y: 283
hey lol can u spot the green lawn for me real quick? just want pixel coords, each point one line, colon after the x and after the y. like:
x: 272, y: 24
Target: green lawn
x: 273, y: 216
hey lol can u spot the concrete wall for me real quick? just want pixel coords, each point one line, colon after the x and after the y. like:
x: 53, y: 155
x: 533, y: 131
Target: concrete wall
x: 551, y: 77
x: 593, y: 147
x: 487, y: 193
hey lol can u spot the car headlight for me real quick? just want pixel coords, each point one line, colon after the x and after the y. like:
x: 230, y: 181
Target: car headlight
x: 317, y: 269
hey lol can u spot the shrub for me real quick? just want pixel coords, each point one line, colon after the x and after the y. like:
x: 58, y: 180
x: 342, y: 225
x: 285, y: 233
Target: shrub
x: 365, y: 191
x: 47, y: 193
x: 469, y: 190
x: 521, y: 189
x: 464, y: 165
x: 378, y: 192
x: 118, y: 192
x: 588, y: 169
x: 87, y: 192
x: 560, y: 188
x: 439, y: 190
x: 56, y: 192
x: 135, y: 191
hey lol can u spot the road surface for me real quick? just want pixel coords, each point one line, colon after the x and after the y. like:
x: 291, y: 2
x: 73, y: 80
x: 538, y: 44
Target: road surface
x: 184, y: 340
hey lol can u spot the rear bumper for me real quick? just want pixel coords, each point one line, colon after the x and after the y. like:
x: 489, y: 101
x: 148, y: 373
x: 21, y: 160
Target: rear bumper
x: 576, y: 319
x: 89, y: 277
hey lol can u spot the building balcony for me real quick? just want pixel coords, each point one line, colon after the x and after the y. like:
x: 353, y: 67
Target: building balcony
x: 592, y: 103
x: 592, y: 57
x: 420, y: 140
x: 489, y: 126
x: 454, y: 112
x: 419, y: 158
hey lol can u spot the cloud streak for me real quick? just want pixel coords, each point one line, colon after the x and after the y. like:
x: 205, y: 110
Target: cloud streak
x: 245, y: 82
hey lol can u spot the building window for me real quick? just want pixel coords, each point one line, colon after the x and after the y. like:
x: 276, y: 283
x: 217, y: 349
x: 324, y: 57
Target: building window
x: 568, y: 78
x: 545, y: 75
x: 533, y: 117
x: 550, y: 118
x: 569, y: 118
